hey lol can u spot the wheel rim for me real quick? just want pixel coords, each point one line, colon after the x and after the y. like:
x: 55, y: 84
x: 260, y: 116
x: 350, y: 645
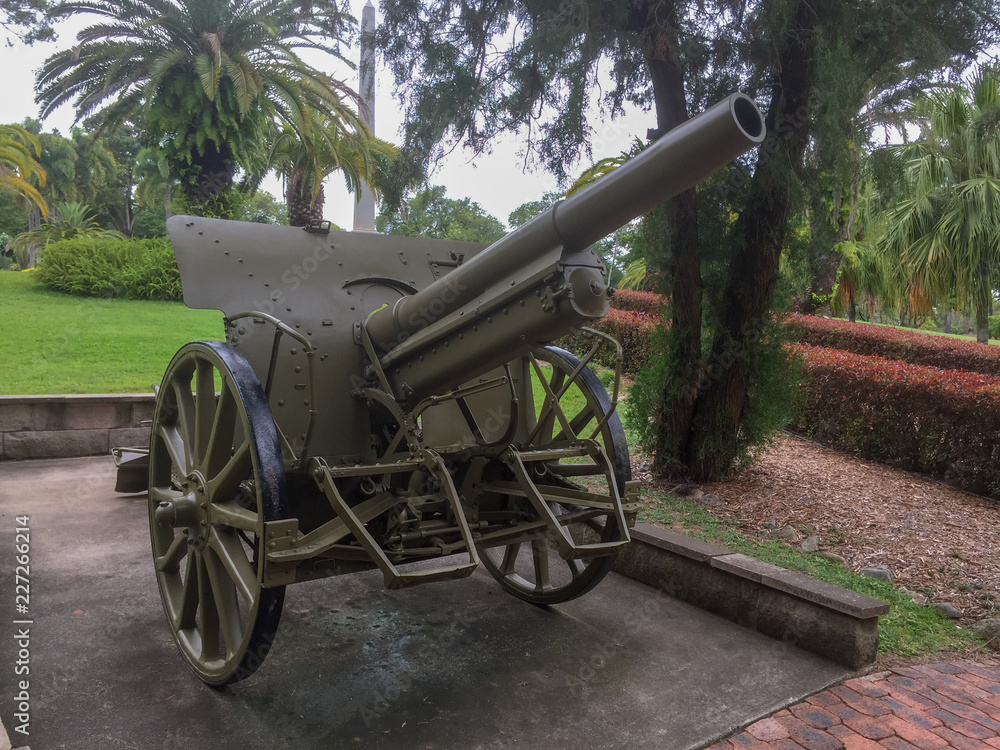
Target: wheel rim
x: 215, y: 478
x: 534, y: 570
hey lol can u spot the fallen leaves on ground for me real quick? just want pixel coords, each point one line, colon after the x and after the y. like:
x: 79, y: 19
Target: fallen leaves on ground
x: 936, y: 540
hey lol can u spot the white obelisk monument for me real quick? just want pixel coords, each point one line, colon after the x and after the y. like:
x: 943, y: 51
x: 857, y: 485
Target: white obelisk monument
x: 364, y: 209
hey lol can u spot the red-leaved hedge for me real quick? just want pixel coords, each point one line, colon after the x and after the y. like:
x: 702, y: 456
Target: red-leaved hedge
x: 893, y: 343
x: 634, y: 331
x: 926, y: 419
x: 924, y: 403
x: 642, y: 302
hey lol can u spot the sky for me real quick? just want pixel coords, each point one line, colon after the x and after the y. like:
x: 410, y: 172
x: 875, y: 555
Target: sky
x: 497, y: 181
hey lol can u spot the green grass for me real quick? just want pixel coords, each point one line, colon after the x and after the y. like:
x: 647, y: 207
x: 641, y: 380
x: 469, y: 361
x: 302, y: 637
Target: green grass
x: 54, y: 343
x: 909, y: 630
x: 962, y: 336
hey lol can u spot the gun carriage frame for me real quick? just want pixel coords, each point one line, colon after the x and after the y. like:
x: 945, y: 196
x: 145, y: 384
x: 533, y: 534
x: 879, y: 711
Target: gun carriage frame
x: 392, y: 403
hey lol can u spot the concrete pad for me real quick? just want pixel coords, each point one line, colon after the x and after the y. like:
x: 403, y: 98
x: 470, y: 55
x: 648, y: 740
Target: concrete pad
x: 458, y: 664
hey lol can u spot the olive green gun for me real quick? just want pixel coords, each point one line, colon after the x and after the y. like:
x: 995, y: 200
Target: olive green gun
x: 394, y: 403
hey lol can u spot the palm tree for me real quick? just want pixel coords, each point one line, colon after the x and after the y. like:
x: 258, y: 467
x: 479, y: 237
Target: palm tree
x: 205, y: 77
x: 947, y: 231
x: 19, y: 153
x: 868, y: 275
x: 68, y: 221
x: 635, y: 275
x: 77, y: 168
x: 304, y: 166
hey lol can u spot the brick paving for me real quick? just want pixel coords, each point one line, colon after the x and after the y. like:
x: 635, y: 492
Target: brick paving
x: 923, y: 707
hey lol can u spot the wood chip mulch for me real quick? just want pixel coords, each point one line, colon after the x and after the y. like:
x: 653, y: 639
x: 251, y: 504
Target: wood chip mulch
x: 936, y: 540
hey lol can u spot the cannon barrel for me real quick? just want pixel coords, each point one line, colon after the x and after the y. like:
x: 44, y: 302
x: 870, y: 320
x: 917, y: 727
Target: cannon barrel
x: 554, y: 242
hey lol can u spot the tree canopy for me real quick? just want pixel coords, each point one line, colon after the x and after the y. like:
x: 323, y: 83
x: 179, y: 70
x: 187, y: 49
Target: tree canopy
x: 20, y: 169
x: 204, y: 78
x: 430, y: 213
x: 946, y: 229
x: 826, y: 74
x: 26, y: 20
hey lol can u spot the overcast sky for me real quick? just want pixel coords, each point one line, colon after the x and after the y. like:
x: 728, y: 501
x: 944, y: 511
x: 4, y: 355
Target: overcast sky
x: 496, y: 181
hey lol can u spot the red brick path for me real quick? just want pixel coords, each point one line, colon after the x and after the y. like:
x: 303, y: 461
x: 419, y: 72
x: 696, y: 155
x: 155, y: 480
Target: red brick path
x: 935, y: 706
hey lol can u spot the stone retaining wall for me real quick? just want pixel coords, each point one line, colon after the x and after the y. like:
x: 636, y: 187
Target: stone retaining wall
x: 792, y: 607
x: 66, y: 426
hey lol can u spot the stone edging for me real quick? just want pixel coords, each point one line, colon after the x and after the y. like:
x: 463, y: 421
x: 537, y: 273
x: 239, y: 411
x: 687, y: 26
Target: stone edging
x: 827, y: 620
x: 70, y: 426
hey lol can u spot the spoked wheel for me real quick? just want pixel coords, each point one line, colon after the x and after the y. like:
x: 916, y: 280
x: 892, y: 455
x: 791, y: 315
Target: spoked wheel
x: 215, y: 477
x: 535, y: 571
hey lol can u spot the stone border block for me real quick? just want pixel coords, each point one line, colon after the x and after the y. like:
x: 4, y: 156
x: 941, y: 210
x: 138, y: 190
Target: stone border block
x: 128, y: 437
x: 15, y: 417
x: 826, y: 594
x: 671, y: 541
x: 827, y: 620
x: 73, y: 425
x: 58, y: 444
x: 745, y: 567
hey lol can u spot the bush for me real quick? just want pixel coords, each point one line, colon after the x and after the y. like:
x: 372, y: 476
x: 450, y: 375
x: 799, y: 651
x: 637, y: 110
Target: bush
x: 994, y: 326
x: 634, y: 332
x: 641, y: 302
x: 892, y: 343
x: 632, y: 319
x: 926, y: 419
x: 130, y: 269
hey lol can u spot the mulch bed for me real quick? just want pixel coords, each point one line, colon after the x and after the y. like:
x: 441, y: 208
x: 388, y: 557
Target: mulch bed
x: 935, y: 539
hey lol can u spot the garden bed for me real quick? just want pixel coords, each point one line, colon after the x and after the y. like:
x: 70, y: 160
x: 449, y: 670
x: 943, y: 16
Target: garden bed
x: 937, y: 541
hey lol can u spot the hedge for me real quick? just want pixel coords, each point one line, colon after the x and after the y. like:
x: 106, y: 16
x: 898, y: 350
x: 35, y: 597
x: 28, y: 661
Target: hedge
x: 920, y: 418
x: 892, y: 343
x: 131, y: 269
x: 632, y: 319
x: 641, y: 302
x: 634, y: 331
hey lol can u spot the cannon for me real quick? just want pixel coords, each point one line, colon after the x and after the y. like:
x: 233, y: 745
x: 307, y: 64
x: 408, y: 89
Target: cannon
x: 394, y: 403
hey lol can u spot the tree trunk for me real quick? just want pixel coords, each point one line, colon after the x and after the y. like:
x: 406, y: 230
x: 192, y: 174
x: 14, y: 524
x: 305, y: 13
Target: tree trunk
x: 302, y: 210
x: 682, y: 261
x: 946, y: 323
x: 827, y: 262
x: 982, y: 324
x: 817, y: 230
x: 852, y: 309
x: 216, y: 170
x: 757, y: 238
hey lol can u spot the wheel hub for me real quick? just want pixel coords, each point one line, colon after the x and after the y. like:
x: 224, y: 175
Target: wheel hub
x: 189, y: 512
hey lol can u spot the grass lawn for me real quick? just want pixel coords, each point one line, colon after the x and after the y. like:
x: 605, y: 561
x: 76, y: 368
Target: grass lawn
x: 962, y: 336
x: 909, y: 630
x: 54, y: 343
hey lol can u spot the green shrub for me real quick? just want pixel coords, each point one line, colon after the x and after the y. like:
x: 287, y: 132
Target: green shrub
x: 995, y: 326
x: 129, y: 269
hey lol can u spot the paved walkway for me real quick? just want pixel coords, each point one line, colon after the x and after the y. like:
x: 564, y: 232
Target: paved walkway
x: 456, y: 665
x: 934, y: 706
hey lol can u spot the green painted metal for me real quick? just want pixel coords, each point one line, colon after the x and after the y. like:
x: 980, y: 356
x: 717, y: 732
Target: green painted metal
x: 384, y: 389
